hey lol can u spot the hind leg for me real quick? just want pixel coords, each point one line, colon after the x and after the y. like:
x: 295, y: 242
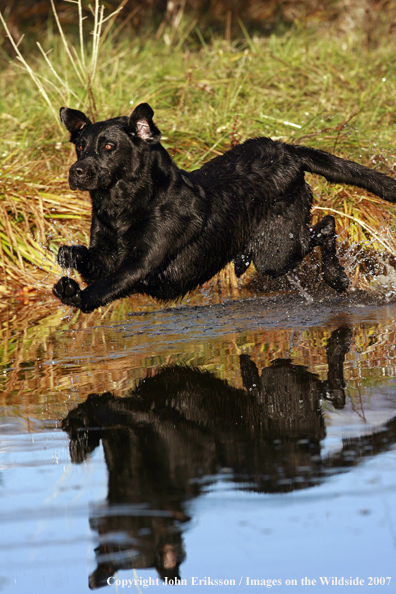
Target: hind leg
x: 275, y: 254
x: 241, y: 264
x: 323, y: 235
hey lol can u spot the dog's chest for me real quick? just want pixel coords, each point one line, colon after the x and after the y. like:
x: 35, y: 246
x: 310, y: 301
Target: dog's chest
x: 121, y: 226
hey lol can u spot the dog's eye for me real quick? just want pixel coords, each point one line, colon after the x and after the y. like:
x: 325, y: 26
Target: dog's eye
x: 80, y: 147
x: 108, y: 146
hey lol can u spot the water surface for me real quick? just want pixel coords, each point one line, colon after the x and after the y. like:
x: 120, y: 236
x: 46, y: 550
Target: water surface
x: 250, y: 442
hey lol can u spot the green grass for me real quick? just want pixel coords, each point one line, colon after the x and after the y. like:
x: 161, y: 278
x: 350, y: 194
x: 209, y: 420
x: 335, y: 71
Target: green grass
x: 309, y: 85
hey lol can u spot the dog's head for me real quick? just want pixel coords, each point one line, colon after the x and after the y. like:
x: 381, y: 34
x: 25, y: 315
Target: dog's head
x: 105, y: 150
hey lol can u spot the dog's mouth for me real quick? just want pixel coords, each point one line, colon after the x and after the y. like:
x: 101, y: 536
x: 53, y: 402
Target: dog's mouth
x: 73, y: 185
x: 83, y: 185
x: 88, y: 180
x: 82, y: 176
x: 78, y: 181
x: 79, y: 186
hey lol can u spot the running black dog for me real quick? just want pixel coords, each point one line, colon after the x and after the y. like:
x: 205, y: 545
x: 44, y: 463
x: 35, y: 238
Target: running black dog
x: 159, y: 230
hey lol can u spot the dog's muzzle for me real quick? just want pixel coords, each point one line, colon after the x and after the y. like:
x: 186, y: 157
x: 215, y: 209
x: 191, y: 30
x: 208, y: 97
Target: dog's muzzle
x: 86, y: 175
x: 81, y: 176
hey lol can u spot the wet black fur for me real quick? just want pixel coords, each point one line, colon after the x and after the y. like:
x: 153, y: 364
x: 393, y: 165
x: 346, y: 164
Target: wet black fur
x: 159, y: 230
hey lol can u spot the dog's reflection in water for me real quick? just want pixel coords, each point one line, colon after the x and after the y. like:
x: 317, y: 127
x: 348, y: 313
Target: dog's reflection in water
x: 177, y: 431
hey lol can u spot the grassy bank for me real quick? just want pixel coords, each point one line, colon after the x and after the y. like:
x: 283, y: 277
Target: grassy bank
x: 315, y: 86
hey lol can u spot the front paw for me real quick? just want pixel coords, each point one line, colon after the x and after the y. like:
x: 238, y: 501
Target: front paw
x: 73, y: 256
x: 68, y: 291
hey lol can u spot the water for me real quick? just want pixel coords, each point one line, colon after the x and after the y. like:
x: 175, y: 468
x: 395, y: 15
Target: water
x: 246, y: 443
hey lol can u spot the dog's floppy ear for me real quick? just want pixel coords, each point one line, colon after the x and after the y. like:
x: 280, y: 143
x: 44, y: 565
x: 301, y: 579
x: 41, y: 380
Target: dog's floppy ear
x: 141, y: 124
x: 74, y: 121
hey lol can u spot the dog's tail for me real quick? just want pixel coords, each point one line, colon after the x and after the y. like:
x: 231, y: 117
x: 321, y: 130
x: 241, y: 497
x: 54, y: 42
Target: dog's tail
x: 338, y: 170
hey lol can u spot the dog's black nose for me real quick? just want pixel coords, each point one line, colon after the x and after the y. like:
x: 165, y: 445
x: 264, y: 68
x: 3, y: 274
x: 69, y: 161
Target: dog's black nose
x: 77, y: 175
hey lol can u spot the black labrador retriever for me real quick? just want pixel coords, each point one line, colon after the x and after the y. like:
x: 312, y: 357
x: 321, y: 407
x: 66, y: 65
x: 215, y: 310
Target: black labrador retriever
x: 159, y: 230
